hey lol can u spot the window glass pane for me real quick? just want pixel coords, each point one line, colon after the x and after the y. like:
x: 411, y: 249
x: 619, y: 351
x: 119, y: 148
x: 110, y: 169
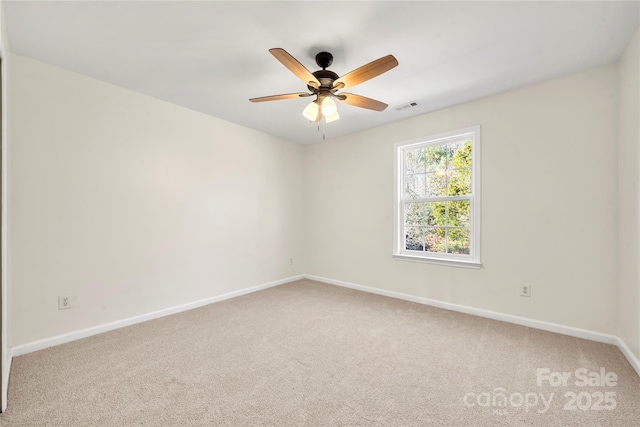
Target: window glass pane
x: 424, y: 213
x: 415, y: 214
x: 414, y: 161
x: 435, y: 239
x: 436, y: 184
x: 414, y: 239
x: 436, y: 158
x: 414, y: 186
x: 436, y: 213
x: 459, y: 168
x: 459, y: 154
x: 458, y: 240
x: 458, y: 213
x: 459, y: 182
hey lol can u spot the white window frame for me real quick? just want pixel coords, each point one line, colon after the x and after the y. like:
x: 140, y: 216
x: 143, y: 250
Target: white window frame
x: 472, y: 260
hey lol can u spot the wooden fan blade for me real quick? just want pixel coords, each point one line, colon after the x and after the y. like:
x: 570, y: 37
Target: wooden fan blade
x: 278, y: 97
x: 361, y: 101
x: 366, y: 72
x: 295, y: 67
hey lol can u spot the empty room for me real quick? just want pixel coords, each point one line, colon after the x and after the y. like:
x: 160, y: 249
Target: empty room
x: 301, y: 213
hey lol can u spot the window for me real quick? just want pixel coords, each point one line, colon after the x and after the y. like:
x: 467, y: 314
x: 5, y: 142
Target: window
x: 438, y: 198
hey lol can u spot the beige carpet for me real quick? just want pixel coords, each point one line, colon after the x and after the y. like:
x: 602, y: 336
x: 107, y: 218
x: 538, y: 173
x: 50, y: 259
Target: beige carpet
x: 311, y: 354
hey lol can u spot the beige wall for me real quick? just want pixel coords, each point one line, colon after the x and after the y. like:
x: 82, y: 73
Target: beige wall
x: 629, y: 196
x: 136, y: 205
x: 4, y: 349
x: 548, y: 205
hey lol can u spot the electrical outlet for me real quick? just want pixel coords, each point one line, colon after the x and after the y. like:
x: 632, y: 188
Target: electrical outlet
x: 290, y: 261
x: 65, y: 302
x: 525, y: 291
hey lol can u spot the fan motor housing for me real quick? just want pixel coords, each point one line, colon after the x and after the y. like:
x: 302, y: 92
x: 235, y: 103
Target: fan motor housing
x: 326, y: 79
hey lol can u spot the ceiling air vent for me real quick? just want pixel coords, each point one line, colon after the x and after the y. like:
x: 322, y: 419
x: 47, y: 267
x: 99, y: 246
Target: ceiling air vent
x: 410, y: 104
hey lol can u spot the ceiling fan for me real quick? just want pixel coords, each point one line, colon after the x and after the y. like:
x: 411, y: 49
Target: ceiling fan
x: 324, y: 85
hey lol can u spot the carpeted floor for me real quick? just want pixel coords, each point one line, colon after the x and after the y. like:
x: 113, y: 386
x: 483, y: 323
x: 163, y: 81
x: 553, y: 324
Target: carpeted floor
x: 311, y: 354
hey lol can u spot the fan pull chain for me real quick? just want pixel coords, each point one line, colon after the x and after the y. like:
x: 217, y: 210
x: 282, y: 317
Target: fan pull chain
x: 323, y: 132
x: 324, y: 124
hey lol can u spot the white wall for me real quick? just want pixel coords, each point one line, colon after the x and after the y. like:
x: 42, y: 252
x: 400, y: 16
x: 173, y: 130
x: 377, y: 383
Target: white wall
x: 136, y: 205
x: 629, y: 196
x: 548, y: 205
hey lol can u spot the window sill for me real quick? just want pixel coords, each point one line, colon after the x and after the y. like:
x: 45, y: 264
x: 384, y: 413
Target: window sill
x: 439, y: 261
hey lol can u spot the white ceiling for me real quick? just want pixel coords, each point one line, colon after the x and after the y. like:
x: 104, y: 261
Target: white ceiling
x: 212, y: 56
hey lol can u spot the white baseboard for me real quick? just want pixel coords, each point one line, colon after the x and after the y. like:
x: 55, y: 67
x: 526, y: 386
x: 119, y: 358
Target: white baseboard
x: 523, y: 321
x: 5, y: 380
x: 95, y: 330
x: 631, y: 358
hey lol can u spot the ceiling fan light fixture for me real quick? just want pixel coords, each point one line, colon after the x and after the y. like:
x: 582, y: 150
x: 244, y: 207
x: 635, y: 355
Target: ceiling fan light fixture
x: 311, y: 111
x: 323, y: 85
x: 332, y: 118
x: 329, y: 107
